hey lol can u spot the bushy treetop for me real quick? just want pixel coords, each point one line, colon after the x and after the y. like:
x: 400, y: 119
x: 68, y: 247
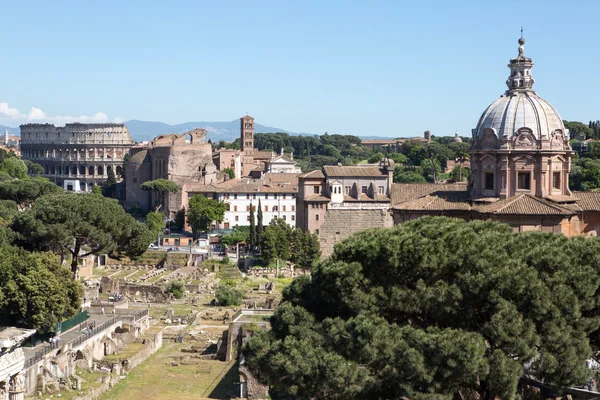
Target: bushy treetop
x: 434, y: 307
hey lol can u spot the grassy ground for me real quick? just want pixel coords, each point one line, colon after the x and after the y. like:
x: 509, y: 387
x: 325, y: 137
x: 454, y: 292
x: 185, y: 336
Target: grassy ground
x: 155, y: 380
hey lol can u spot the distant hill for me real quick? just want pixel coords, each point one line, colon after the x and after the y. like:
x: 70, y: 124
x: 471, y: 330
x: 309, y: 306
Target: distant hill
x: 12, y: 131
x: 228, y: 131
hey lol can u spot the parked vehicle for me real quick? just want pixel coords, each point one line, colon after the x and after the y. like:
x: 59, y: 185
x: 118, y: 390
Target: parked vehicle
x: 153, y: 246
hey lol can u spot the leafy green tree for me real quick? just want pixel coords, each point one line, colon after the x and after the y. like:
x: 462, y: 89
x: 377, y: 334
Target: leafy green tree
x: 433, y: 308
x: 234, y: 237
x: 161, y: 187
x: 26, y: 191
x: 202, y: 212
x: 33, y: 169
x: 8, y: 210
x: 277, y: 239
x: 461, y: 153
x: 155, y: 221
x: 260, y: 228
x: 14, y: 167
x: 97, y: 190
x: 305, y: 249
x: 180, y: 219
x: 176, y: 288
x: 459, y: 174
x: 109, y: 186
x: 434, y: 157
x: 252, y: 236
x: 402, y: 175
x: 80, y: 225
x: 579, y: 129
x: 398, y: 158
x: 36, y: 291
x: 229, y: 296
x: 375, y: 158
x: 230, y: 172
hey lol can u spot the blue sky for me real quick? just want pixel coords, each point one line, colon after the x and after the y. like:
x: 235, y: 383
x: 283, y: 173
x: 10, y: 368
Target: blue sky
x: 386, y: 68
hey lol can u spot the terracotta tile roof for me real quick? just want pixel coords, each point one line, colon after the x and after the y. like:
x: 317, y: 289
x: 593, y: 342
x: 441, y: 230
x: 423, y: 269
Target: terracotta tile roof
x: 524, y: 204
x: 354, y: 170
x: 440, y: 201
x: 279, y: 183
x: 588, y: 201
x: 403, y: 192
x: 366, y: 197
x: 429, y: 197
x: 317, y: 197
x: 262, y: 155
x: 313, y: 174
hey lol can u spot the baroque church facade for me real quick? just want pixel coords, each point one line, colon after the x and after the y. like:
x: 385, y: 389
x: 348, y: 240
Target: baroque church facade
x: 520, y: 162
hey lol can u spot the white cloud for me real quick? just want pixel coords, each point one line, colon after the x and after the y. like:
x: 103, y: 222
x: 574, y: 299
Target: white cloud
x: 9, y: 113
x: 119, y: 120
x: 38, y: 115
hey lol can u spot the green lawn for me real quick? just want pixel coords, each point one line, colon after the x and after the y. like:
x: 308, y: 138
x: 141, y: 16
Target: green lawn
x: 155, y: 380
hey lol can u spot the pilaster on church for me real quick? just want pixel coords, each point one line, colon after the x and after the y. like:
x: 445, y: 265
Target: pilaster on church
x: 520, y: 144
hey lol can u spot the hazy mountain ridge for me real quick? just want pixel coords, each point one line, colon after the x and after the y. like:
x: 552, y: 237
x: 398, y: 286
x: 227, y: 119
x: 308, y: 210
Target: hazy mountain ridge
x: 228, y: 131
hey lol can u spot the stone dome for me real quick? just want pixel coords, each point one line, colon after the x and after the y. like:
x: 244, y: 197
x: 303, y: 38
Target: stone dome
x: 519, y: 107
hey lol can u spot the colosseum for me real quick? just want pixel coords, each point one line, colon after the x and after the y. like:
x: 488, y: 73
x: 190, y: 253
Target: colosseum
x: 76, y: 156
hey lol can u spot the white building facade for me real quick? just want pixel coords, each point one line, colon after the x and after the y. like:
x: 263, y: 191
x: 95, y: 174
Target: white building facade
x: 276, y: 194
x: 273, y: 204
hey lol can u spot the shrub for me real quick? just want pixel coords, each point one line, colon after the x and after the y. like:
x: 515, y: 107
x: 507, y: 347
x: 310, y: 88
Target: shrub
x: 176, y: 288
x: 229, y: 296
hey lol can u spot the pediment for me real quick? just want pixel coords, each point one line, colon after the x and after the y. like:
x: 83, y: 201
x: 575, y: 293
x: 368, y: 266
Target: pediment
x: 524, y: 139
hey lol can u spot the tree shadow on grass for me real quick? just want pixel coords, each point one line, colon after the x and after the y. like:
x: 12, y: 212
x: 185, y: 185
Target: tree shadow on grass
x: 228, y: 385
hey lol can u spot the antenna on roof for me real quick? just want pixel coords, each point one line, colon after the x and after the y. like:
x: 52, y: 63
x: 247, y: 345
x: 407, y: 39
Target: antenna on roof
x: 521, y: 31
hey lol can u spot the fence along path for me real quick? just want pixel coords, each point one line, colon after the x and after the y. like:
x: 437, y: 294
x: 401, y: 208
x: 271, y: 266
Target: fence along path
x: 75, y: 338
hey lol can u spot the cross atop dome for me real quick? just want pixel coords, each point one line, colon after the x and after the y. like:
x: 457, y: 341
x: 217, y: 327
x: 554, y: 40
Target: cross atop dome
x: 520, y: 71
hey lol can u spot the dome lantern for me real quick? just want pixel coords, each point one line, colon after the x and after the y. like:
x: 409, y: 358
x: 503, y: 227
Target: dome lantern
x: 520, y: 71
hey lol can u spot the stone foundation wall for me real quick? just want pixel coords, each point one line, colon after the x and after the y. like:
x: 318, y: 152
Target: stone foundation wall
x: 340, y: 224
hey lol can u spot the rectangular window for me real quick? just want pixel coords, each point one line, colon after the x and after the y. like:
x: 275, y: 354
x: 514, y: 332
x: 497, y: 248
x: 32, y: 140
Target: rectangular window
x: 293, y: 217
x: 524, y: 180
x: 247, y: 196
x: 346, y: 189
x: 237, y: 218
x: 266, y: 208
x: 266, y: 196
x: 247, y: 208
x: 275, y: 196
x: 254, y: 195
x: 293, y: 208
x: 316, y: 217
x: 235, y: 195
x: 234, y: 208
x: 254, y: 208
x: 284, y: 196
x: 284, y: 218
x: 293, y: 195
x: 379, y: 189
x: 284, y: 208
x: 489, y: 181
x: 363, y: 189
x: 316, y: 189
x: 248, y: 218
x: 556, y: 180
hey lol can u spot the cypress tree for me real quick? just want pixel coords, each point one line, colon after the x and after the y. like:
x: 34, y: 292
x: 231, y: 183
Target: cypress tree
x: 252, y: 237
x: 259, y: 225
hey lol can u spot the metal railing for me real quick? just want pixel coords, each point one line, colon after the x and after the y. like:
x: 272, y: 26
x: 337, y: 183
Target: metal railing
x: 85, y: 335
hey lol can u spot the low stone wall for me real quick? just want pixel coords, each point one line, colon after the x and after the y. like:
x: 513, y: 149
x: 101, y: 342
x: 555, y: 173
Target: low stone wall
x: 151, y: 348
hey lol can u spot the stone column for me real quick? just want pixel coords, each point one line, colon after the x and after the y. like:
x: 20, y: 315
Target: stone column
x: 4, y: 385
x: 17, y: 387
